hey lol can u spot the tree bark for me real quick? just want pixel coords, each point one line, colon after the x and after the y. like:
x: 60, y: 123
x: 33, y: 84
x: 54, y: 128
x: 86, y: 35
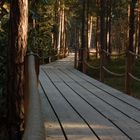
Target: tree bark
x: 16, y: 53
x: 97, y: 38
x: 84, y: 36
x: 138, y: 26
x: 109, y: 27
x: 62, y: 41
x: 90, y: 34
x: 60, y: 28
x: 102, y: 38
x: 132, y: 25
x: 130, y: 58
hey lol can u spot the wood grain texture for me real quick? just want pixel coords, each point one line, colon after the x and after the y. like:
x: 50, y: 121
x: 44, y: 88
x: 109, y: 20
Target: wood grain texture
x: 85, y: 107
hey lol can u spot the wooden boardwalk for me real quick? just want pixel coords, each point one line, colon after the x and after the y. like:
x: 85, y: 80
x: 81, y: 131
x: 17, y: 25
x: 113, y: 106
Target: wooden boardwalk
x: 77, y: 107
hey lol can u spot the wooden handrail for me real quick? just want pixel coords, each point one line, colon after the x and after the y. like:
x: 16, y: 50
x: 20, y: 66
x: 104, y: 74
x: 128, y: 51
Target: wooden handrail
x: 34, y: 128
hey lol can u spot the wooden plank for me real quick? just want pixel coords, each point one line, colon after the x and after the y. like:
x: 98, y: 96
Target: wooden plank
x: 128, y: 99
x: 52, y: 127
x: 94, y: 103
x: 63, y: 63
x: 74, y: 126
x: 128, y: 126
x: 113, y: 101
x: 102, y: 127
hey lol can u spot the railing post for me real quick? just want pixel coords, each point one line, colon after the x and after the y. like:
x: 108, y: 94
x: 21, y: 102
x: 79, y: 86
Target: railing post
x: 79, y: 59
x: 101, y: 65
x: 84, y: 69
x: 128, y: 71
x: 75, y: 58
x: 34, y: 127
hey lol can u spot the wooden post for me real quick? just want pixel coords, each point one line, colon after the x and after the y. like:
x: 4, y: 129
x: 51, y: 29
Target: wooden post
x: 80, y: 59
x: 84, y: 68
x: 128, y: 70
x: 28, y: 58
x: 101, y: 65
x: 75, y: 58
x: 34, y: 126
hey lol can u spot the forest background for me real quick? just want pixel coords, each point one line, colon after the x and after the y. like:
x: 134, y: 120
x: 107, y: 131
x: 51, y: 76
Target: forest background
x: 112, y: 26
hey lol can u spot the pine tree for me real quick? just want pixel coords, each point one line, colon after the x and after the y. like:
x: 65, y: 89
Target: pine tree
x: 16, y: 53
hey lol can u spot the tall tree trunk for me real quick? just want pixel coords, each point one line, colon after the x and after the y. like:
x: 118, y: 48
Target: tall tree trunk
x: 62, y: 41
x: 130, y: 58
x: 102, y: 37
x: 136, y: 30
x: 90, y: 32
x: 97, y: 36
x: 138, y: 26
x: 60, y: 24
x: 102, y: 25
x: 16, y: 53
x: 55, y: 26
x: 109, y: 27
x: 109, y: 36
x: 132, y: 25
x: 65, y: 37
x: 84, y: 36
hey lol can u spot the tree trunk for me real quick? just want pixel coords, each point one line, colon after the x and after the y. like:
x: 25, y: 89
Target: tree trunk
x: 59, y: 30
x: 55, y: 27
x: 16, y: 53
x: 138, y: 26
x: 97, y: 37
x: 132, y: 25
x: 84, y: 36
x: 62, y: 42
x: 65, y: 37
x: 109, y: 27
x: 130, y: 58
x: 102, y: 37
x: 90, y: 34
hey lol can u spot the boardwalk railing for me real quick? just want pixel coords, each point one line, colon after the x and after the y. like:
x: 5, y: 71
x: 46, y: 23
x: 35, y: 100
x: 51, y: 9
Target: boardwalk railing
x: 34, y: 129
x: 127, y: 74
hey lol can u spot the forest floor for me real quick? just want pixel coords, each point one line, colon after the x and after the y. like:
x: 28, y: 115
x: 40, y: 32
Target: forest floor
x: 117, y: 65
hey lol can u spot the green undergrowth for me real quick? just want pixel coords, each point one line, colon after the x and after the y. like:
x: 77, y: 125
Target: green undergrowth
x: 117, y: 65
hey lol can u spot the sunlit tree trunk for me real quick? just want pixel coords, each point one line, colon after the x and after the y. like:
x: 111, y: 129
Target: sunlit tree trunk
x: 62, y: 40
x: 97, y: 36
x: 97, y: 30
x: 61, y: 32
x: 59, y: 28
x: 109, y: 27
x: 16, y: 53
x: 90, y: 32
x: 136, y: 32
x: 65, y: 36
